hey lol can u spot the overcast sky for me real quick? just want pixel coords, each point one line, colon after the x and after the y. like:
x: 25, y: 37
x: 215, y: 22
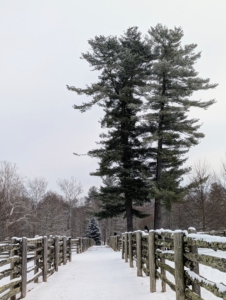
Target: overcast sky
x: 41, y: 42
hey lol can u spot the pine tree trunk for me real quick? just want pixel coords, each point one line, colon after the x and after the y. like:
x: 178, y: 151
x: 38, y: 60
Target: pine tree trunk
x: 129, y: 216
x: 126, y: 156
x: 157, y: 214
x: 157, y: 210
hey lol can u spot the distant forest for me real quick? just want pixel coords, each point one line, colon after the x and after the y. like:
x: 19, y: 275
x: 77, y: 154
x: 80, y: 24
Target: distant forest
x: 27, y: 208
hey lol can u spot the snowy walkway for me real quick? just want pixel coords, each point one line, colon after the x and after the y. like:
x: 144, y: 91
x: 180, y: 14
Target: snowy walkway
x: 97, y: 274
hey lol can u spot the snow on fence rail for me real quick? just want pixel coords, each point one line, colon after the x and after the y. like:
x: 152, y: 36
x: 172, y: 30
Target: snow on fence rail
x: 152, y: 250
x: 47, y: 254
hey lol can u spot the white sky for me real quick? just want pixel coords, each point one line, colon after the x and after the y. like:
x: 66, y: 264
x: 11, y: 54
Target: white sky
x: 41, y: 43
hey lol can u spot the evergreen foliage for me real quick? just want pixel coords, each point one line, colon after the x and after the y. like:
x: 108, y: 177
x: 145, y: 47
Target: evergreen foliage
x: 155, y: 75
x: 93, y: 231
x: 172, y: 82
x: 123, y: 64
x: 92, y: 195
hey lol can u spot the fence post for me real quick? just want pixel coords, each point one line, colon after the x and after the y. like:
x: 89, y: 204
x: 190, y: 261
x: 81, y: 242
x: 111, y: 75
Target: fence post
x: 152, y: 264
x: 60, y: 251
x: 163, y: 271
x: 194, y: 250
x: 85, y: 244
x: 24, y: 268
x: 123, y: 246
x: 116, y: 243
x: 139, y: 254
x: 179, y: 265
x: 45, y: 255
x: 64, y: 250
x: 130, y: 250
x: 69, y: 249
x: 112, y: 242
x: 126, y: 247
x: 36, y: 261
x: 81, y: 245
x: 12, y: 266
x: 77, y: 246
x: 56, y: 253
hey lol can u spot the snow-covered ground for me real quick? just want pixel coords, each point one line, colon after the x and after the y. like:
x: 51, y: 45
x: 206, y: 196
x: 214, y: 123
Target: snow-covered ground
x: 97, y: 274
x: 100, y: 273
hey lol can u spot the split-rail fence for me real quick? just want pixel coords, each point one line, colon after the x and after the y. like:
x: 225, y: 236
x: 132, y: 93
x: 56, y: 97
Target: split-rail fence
x: 152, y: 250
x: 47, y: 254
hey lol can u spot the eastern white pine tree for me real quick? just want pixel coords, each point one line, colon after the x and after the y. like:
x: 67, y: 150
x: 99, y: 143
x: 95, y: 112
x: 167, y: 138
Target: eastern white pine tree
x: 158, y: 72
x: 172, y: 82
x: 93, y: 231
x: 123, y: 63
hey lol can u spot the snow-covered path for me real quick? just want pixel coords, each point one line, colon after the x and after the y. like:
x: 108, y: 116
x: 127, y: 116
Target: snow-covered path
x: 97, y: 274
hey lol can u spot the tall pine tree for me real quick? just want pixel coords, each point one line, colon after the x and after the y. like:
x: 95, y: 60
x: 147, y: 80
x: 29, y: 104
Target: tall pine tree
x: 123, y: 63
x: 172, y: 82
x: 159, y: 72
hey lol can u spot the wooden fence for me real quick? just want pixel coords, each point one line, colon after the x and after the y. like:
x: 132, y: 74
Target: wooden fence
x: 47, y: 254
x: 152, y: 251
x: 115, y: 242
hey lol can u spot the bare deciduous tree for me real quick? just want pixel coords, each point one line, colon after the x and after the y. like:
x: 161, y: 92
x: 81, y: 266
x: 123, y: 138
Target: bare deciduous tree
x: 71, y: 190
x: 52, y: 215
x: 14, y: 207
x: 36, y: 189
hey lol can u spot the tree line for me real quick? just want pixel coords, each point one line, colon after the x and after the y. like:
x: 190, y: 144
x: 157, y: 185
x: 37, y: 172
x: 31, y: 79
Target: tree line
x: 145, y: 86
x: 202, y: 205
x: 28, y: 208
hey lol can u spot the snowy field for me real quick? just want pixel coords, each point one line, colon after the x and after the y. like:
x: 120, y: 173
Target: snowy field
x: 100, y: 274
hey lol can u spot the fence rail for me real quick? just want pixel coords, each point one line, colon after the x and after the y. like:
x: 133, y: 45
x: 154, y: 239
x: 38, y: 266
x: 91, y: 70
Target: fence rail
x: 152, y: 252
x: 40, y: 255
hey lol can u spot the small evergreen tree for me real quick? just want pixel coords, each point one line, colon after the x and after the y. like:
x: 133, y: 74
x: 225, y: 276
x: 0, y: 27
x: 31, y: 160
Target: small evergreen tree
x: 93, y: 231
